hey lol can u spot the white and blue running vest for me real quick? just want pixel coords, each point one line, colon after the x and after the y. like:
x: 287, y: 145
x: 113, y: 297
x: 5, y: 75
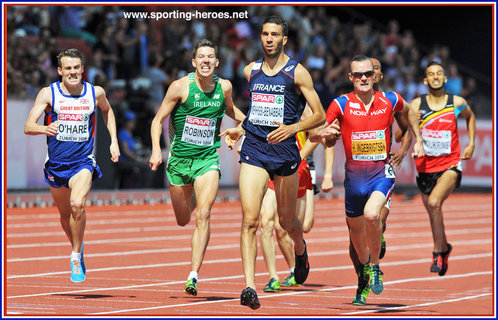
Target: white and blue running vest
x: 76, y: 118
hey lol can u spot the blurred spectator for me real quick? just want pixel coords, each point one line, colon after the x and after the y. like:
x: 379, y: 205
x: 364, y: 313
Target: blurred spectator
x: 469, y: 92
x: 72, y: 23
x: 94, y: 66
x: 133, y: 167
x: 454, y: 82
x: 133, y: 46
x: 158, y: 79
x: 107, y: 45
x: 392, y: 37
x: 321, y: 87
x: 317, y: 59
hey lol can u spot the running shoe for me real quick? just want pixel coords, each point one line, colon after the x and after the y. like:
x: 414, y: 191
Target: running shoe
x: 290, y: 281
x: 249, y: 298
x: 302, y: 267
x: 376, y: 283
x: 382, y: 248
x: 191, y: 287
x: 364, y: 275
x: 272, y: 286
x: 363, y: 285
x: 77, y: 274
x: 440, y: 261
x: 360, y: 299
x: 82, y: 259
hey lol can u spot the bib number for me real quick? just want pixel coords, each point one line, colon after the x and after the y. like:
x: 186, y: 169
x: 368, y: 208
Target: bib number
x: 73, y: 127
x: 266, y: 108
x: 389, y: 171
x: 199, y: 131
x: 369, y: 145
x: 436, y: 142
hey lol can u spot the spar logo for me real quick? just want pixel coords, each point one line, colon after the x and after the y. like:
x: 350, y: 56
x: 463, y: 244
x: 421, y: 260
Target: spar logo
x: 268, y: 98
x: 199, y: 121
x: 72, y: 117
x: 368, y: 135
x: 436, y: 134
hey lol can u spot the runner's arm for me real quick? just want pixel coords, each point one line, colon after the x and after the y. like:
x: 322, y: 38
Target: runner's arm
x: 174, y: 94
x: 109, y: 120
x: 469, y: 116
x: 42, y: 101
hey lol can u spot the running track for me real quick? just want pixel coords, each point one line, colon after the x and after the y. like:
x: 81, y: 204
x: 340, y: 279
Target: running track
x: 138, y: 261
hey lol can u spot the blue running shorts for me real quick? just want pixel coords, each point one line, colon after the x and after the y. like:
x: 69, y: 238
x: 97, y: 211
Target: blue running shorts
x: 361, y: 181
x: 58, y: 173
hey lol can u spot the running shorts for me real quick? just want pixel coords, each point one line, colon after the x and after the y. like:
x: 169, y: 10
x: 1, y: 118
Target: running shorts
x: 57, y: 173
x: 361, y: 181
x: 427, y: 181
x: 280, y: 159
x: 304, y: 180
x: 182, y: 171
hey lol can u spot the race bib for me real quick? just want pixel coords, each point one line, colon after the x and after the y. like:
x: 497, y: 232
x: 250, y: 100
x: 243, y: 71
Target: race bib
x: 436, y: 142
x: 199, y: 131
x: 369, y: 145
x: 266, y: 108
x: 73, y: 127
x: 389, y: 171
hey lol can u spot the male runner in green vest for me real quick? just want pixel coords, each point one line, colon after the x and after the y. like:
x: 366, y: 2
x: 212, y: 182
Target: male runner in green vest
x: 196, y: 104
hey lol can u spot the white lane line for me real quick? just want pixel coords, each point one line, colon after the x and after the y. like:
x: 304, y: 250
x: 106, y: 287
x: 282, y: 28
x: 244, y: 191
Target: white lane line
x: 395, y: 263
x: 215, y: 236
x: 418, y: 305
x: 473, y: 274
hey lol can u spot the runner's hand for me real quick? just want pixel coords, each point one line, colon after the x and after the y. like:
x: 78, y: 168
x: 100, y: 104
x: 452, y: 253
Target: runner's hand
x: 232, y: 135
x: 281, y: 133
x: 52, y: 129
x: 155, y: 160
x: 114, y: 148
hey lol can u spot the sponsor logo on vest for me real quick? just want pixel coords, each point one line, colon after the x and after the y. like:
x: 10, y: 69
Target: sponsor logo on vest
x: 72, y: 117
x: 259, y: 97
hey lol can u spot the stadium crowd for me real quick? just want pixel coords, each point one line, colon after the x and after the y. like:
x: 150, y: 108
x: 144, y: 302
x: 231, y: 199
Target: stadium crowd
x: 135, y: 60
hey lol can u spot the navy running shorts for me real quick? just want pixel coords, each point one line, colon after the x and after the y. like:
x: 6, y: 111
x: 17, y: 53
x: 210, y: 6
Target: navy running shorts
x: 281, y: 159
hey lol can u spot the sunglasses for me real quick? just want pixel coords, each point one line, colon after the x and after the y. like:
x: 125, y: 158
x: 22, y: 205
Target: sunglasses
x: 367, y: 74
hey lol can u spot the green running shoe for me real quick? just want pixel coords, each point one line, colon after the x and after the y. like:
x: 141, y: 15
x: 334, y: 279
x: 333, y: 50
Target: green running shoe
x: 272, y: 286
x: 191, y: 287
x: 364, y: 274
x: 360, y: 299
x: 382, y: 248
x: 376, y: 283
x: 290, y: 281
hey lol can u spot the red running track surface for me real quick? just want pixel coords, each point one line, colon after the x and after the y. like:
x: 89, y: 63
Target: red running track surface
x: 138, y: 261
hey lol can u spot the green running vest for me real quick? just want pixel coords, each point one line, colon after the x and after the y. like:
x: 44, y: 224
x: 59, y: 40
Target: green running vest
x: 195, y: 124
